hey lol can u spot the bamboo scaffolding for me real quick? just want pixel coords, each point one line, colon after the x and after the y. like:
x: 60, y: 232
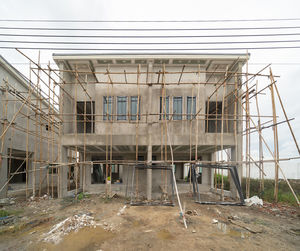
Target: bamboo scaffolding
x: 45, y: 114
x: 158, y: 72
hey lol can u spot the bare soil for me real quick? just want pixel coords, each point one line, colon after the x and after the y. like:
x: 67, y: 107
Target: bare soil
x: 210, y: 227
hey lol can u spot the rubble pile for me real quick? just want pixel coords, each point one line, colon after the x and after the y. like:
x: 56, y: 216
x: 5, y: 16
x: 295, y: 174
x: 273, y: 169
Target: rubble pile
x: 73, y: 223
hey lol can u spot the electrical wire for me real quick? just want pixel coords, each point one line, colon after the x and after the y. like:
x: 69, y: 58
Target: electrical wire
x: 151, y: 49
x: 150, y: 36
x: 150, y: 29
x: 149, y: 21
x: 149, y: 43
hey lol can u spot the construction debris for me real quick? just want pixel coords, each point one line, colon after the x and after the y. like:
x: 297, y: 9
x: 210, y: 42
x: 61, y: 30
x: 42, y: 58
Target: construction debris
x: 252, y: 229
x: 254, y: 200
x: 73, y: 223
x: 121, y: 211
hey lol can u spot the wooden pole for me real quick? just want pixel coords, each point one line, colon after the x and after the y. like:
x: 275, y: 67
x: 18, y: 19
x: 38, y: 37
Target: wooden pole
x: 275, y: 133
x: 261, y: 164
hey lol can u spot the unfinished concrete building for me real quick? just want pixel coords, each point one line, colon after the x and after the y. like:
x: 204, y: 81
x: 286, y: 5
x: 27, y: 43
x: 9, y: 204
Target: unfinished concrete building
x: 120, y: 110
x: 137, y: 124
x: 28, y: 140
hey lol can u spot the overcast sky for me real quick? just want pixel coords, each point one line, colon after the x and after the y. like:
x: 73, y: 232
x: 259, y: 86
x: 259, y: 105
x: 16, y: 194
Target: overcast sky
x: 285, y: 62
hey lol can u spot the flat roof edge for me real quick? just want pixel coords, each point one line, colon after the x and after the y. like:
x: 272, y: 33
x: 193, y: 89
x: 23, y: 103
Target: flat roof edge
x: 59, y: 56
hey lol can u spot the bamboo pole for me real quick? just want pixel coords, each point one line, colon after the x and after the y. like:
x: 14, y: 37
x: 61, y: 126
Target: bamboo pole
x: 11, y: 141
x: 261, y: 156
x: 275, y: 132
x: 27, y: 134
x: 222, y: 134
x: 40, y: 137
x: 76, y: 136
x: 137, y: 128
x: 247, y: 104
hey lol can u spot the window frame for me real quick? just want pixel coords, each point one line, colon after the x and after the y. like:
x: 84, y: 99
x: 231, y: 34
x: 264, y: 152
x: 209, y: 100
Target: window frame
x: 108, y: 116
x: 177, y: 116
x: 191, y: 114
x: 161, y: 112
x: 138, y: 102
x: 122, y: 117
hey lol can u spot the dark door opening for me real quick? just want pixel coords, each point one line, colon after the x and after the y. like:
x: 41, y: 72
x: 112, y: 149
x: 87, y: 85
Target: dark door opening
x: 16, y: 164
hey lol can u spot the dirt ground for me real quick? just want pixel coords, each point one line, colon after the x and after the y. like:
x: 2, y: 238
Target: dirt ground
x: 210, y: 227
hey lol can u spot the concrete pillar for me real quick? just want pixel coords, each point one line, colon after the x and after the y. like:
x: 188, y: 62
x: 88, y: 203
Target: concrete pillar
x: 212, y: 174
x: 235, y: 156
x: 3, y: 174
x: 149, y: 172
x: 149, y: 147
x: 121, y: 172
x: 87, y: 173
x: 63, y: 174
x: 237, y: 150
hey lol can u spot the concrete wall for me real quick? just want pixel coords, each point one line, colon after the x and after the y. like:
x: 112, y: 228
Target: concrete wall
x: 16, y: 137
x: 149, y: 130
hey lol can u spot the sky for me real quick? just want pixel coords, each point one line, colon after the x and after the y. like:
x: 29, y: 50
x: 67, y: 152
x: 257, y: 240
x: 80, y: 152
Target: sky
x: 285, y: 62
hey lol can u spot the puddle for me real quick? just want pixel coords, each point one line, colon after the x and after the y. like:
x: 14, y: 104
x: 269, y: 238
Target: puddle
x: 85, y: 239
x: 165, y: 235
x: 231, y: 232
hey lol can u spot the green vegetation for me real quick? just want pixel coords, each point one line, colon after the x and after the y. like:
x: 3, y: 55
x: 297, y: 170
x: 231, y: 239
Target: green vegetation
x: 226, y: 184
x: 4, y: 213
x: 284, y: 193
x: 82, y: 195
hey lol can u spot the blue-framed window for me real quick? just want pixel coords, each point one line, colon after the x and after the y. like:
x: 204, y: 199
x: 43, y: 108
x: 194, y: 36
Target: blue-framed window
x: 177, y: 108
x: 134, y: 107
x: 190, y: 107
x: 108, y: 107
x: 121, y: 108
x: 162, y: 110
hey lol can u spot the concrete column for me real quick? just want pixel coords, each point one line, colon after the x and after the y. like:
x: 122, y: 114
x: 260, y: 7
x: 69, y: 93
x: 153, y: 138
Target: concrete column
x: 87, y: 173
x: 63, y: 173
x: 235, y: 156
x: 149, y: 173
x: 121, y: 172
x: 3, y: 174
x: 237, y: 150
x: 212, y: 174
x: 149, y: 147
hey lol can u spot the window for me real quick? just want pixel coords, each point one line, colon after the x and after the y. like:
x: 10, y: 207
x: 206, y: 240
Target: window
x: 85, y: 117
x: 177, y: 108
x: 213, y: 117
x: 121, y: 108
x: 107, y: 108
x: 164, y: 110
x: 134, y: 107
x: 190, y: 107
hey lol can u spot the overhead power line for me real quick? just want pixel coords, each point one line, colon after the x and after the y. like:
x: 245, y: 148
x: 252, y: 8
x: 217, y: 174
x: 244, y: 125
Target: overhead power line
x: 150, y: 29
x: 148, y: 21
x: 150, y: 36
x: 149, y: 43
x: 151, y: 49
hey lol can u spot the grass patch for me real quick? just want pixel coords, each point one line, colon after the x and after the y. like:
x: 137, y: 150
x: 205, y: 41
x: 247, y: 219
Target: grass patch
x: 4, y: 213
x: 284, y: 193
x: 82, y: 196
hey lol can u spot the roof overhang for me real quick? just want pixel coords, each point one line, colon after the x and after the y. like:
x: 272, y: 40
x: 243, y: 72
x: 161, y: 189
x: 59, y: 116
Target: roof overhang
x: 88, y: 62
